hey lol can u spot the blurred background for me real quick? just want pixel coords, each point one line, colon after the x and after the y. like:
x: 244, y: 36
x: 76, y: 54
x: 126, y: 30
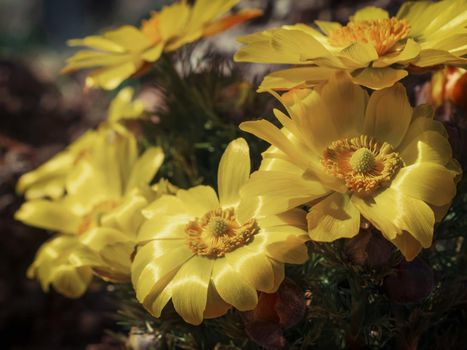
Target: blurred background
x: 42, y: 111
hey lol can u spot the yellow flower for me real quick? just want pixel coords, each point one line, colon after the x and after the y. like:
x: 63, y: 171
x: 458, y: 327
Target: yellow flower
x: 353, y: 158
x: 101, y: 210
x: 48, y: 180
x: 58, y: 264
x: 128, y: 50
x: 208, y: 253
x: 374, y: 49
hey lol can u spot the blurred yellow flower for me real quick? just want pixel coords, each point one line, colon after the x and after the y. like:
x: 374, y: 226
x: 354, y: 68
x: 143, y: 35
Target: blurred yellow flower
x: 128, y: 50
x: 58, y: 263
x: 376, y: 50
x: 208, y: 253
x: 48, y: 180
x: 101, y: 211
x: 351, y: 156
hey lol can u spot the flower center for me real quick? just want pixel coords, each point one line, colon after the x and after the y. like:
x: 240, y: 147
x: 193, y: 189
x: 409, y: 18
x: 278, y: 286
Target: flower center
x: 383, y: 34
x: 362, y: 160
x: 218, y: 232
x: 364, y: 164
x: 92, y: 219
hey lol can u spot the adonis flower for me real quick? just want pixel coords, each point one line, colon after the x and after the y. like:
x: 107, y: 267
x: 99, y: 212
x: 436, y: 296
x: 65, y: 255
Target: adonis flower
x: 376, y: 50
x: 98, y: 217
x: 208, y: 253
x: 354, y: 158
x: 125, y: 51
x: 48, y: 180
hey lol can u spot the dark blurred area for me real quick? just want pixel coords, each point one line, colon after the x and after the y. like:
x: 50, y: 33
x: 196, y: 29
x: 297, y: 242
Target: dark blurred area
x: 41, y: 112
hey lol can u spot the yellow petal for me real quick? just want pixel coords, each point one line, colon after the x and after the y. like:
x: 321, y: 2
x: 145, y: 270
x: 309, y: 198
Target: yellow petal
x: 153, y: 262
x: 117, y: 256
x: 87, y: 59
x: 254, y: 266
x: 332, y: 218
x: 173, y: 20
x: 428, y: 19
x: 429, y: 146
x: 429, y: 182
x: 277, y: 192
x: 270, y: 133
x: 369, y: 13
x: 48, y: 215
x: 378, y: 78
x: 292, y: 78
x: 111, y: 77
x: 381, y: 211
x: 393, y: 212
x: 327, y: 27
x: 154, y: 53
x: 286, y: 244
x: 279, y: 272
x: 215, y: 305
x: 280, y: 46
x: 164, y: 227
x: 199, y: 200
x: 313, y: 119
x: 294, y: 217
x: 408, y: 245
x: 232, y: 286
x: 190, y: 289
x: 234, y: 171
x: 126, y: 216
x: 99, y: 237
x: 123, y: 106
x: 388, y: 115
x: 207, y: 11
x: 98, y: 43
x: 47, y: 179
x: 409, y: 53
x: 128, y: 37
x: 145, y: 168
x: 70, y: 281
x: 156, y: 303
x: 414, y: 11
x: 348, y: 115
x: 166, y: 204
x: 358, y: 55
x: 433, y: 57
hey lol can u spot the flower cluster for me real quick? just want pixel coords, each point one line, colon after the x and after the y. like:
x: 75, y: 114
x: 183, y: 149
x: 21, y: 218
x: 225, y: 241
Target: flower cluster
x: 342, y: 158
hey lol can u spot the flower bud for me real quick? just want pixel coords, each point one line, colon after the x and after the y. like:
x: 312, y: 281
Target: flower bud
x: 411, y: 282
x: 274, y: 313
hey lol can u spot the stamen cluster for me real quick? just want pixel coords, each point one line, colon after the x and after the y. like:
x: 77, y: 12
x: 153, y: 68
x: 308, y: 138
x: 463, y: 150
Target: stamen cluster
x: 363, y: 163
x: 218, y: 232
x: 383, y: 34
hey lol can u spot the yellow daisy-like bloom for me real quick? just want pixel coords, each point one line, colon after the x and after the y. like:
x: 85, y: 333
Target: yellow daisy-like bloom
x: 48, y: 180
x: 208, y: 253
x: 100, y: 213
x: 126, y: 51
x: 376, y: 50
x: 350, y: 157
